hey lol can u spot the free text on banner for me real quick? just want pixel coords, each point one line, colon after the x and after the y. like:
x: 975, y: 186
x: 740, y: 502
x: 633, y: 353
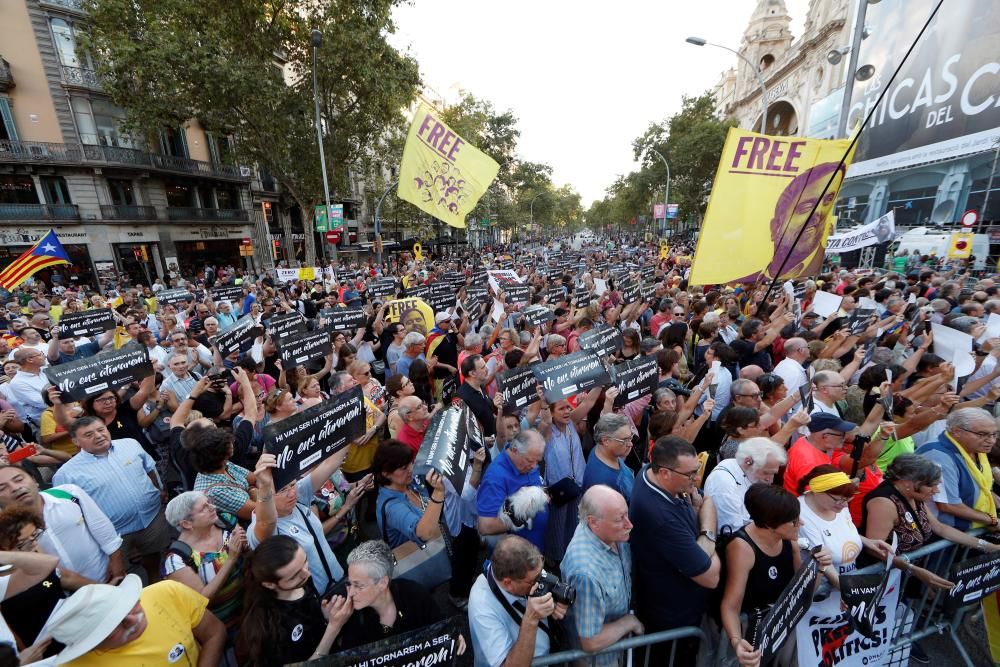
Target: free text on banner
x: 764, y: 190
x: 441, y: 173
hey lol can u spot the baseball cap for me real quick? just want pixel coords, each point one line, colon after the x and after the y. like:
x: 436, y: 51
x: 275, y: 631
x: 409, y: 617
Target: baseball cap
x: 442, y: 317
x: 821, y: 421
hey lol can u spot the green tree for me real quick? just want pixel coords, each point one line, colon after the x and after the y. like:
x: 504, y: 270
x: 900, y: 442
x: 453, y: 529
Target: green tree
x: 244, y: 67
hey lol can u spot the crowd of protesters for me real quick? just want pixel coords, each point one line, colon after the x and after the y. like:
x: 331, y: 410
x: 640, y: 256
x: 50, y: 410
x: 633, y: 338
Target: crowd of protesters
x: 144, y: 526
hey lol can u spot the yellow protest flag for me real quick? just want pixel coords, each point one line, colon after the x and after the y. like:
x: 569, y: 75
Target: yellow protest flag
x: 764, y: 190
x: 441, y: 173
x: 960, y: 246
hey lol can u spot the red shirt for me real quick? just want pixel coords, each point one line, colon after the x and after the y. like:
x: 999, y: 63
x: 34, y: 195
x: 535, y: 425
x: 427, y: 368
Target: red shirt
x: 410, y: 437
x: 872, y: 478
x: 802, y: 458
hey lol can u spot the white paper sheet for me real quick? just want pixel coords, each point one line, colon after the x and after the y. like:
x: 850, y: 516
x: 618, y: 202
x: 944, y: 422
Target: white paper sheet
x: 954, y: 346
x: 992, y: 328
x: 825, y: 304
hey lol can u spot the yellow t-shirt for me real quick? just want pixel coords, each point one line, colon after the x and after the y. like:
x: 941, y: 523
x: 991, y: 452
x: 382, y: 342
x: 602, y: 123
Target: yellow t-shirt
x: 360, y: 458
x: 49, y: 427
x: 55, y: 312
x: 172, y: 610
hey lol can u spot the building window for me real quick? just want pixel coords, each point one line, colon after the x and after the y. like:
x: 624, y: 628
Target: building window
x: 17, y: 190
x: 55, y: 190
x: 180, y: 194
x: 8, y: 131
x: 121, y: 192
x: 65, y: 41
x: 851, y: 210
x: 766, y: 61
x: 227, y: 198
x: 912, y: 207
x: 207, y: 199
x: 173, y: 142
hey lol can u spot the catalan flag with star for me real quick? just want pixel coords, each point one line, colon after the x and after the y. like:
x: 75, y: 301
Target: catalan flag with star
x: 48, y: 251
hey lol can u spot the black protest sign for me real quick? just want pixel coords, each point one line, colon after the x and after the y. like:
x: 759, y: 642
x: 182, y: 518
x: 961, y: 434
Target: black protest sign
x: 86, y: 323
x: 418, y: 291
x: 974, y: 578
x: 455, y: 278
x: 793, y: 603
x: 635, y: 379
x: 860, y: 320
x: 300, y: 442
x: 443, y: 288
x: 441, y: 303
x: 305, y: 347
x: 344, y: 319
x: 570, y: 374
x: 232, y: 339
x: 862, y: 594
x: 630, y: 291
x: 647, y: 292
x: 517, y: 294
x: 446, y: 446
x: 172, y: 296
x: 286, y: 324
x: 229, y: 293
x: 602, y: 339
x: 434, y: 645
x: 555, y: 294
x: 381, y: 289
x: 648, y: 271
x: 113, y: 370
x: 581, y: 294
x: 475, y: 297
x: 518, y: 386
x: 535, y: 316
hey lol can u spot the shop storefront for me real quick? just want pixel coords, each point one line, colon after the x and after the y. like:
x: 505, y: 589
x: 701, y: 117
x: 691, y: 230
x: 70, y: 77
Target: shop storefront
x: 217, y: 245
x: 14, y: 241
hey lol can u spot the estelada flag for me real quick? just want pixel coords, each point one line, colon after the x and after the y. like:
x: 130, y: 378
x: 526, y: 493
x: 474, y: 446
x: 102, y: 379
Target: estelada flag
x: 48, y: 251
x: 764, y: 191
x: 441, y: 173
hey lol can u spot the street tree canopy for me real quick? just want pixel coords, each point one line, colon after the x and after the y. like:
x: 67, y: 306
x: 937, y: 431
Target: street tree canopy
x: 243, y: 68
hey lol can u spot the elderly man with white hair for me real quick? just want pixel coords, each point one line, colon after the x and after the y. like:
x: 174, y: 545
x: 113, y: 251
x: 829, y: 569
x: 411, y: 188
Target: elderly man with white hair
x: 413, y: 348
x: 756, y: 460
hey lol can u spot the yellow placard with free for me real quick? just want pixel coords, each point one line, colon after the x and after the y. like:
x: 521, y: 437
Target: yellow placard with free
x: 764, y: 191
x: 414, y: 314
x: 441, y: 173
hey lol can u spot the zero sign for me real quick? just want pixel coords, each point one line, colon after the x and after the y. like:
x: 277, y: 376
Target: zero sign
x: 969, y: 218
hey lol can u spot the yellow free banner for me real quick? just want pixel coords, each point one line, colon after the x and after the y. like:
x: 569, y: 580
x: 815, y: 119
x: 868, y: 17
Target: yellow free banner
x: 441, y: 173
x: 764, y: 191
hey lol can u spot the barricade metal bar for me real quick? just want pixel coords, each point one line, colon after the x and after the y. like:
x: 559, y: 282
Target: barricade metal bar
x: 622, y: 646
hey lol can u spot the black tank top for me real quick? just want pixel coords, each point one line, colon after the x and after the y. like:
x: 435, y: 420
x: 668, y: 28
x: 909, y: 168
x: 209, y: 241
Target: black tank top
x: 769, y: 575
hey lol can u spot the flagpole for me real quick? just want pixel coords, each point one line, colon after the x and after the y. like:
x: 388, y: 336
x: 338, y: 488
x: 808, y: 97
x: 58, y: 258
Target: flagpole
x: 850, y: 147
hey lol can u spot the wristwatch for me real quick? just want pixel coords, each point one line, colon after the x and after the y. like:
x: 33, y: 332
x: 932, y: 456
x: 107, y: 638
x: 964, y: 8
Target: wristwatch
x: 710, y: 534
x: 981, y: 544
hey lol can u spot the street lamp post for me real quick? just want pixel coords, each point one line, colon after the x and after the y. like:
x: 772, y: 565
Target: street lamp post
x: 666, y: 194
x: 531, y: 208
x: 316, y: 38
x: 859, y: 34
x: 698, y: 41
x: 378, y: 222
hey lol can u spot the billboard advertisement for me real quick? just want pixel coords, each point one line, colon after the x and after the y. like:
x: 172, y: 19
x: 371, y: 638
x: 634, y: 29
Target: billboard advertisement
x: 945, y: 102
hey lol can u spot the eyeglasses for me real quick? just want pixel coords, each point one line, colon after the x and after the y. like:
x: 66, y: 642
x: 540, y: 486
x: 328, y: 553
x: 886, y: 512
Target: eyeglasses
x: 985, y: 436
x: 679, y: 314
x: 834, y: 386
x: 838, y: 500
x: 621, y: 440
x: 28, y: 542
x: 105, y: 399
x: 690, y: 475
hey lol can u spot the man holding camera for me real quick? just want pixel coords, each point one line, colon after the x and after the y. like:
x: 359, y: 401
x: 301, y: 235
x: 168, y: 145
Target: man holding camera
x: 512, y: 611
x: 598, y: 565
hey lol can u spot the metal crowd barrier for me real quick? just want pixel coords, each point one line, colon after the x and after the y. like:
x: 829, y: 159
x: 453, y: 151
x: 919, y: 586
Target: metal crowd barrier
x: 580, y: 657
x: 920, y: 617
x: 925, y: 615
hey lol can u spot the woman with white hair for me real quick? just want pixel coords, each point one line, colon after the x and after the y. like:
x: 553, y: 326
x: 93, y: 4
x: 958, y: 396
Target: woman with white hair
x: 205, y: 557
x: 383, y: 606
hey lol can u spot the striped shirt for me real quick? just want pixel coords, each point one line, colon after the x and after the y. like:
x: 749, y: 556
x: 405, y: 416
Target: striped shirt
x: 118, y: 482
x: 603, y: 581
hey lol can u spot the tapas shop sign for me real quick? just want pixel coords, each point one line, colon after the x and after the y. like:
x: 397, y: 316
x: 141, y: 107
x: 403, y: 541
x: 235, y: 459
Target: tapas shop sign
x: 113, y: 370
x: 300, y: 442
x: 570, y: 374
x: 87, y: 323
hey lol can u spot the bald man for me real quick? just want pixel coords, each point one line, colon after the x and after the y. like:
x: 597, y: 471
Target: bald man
x: 751, y: 372
x: 598, y: 563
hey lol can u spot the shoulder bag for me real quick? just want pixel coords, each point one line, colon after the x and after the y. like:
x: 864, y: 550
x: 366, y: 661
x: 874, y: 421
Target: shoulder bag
x: 427, y: 563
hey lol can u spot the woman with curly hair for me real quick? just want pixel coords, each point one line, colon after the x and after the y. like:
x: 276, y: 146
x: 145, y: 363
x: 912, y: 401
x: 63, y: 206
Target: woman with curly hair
x: 225, y: 484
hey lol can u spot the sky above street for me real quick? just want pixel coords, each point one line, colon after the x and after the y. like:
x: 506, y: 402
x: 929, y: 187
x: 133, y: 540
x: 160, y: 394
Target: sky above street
x: 584, y: 78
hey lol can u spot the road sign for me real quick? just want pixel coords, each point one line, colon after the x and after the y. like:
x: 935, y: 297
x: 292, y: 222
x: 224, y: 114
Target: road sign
x: 336, y: 216
x: 332, y: 236
x: 321, y: 219
x: 672, y: 211
x: 970, y: 218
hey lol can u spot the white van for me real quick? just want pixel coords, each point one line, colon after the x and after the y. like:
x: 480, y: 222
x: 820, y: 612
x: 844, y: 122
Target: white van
x: 925, y: 241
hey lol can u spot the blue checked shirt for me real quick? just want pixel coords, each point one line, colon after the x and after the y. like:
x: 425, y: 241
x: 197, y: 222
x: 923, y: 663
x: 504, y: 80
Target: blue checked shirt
x: 118, y: 482
x: 603, y: 581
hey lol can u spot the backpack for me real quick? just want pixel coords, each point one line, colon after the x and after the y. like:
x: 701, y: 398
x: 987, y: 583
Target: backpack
x: 185, y: 552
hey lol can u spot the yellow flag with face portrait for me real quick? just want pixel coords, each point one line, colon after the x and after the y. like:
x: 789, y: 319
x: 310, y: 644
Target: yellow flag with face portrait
x: 764, y: 191
x: 441, y: 173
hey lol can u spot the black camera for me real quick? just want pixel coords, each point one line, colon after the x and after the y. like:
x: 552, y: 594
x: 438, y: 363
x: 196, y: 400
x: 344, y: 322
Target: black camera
x: 562, y: 592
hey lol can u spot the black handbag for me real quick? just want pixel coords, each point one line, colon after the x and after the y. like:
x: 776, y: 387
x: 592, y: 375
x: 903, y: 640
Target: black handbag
x: 564, y: 491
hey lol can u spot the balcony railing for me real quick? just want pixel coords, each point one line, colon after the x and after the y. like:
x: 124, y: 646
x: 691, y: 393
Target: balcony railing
x: 38, y: 151
x: 207, y: 214
x: 39, y: 212
x: 6, y: 78
x: 72, y: 5
x: 80, y: 76
x: 127, y: 212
